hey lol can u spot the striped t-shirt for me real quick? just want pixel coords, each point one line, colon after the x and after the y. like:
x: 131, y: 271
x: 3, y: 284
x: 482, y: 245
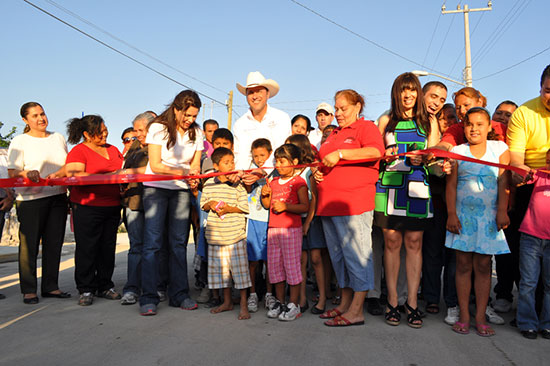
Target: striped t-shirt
x: 232, y: 228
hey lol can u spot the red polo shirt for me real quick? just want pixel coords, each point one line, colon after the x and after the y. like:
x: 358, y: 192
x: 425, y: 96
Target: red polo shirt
x: 455, y: 134
x: 349, y: 189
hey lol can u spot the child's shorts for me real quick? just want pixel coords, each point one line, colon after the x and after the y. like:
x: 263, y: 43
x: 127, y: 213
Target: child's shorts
x: 256, y: 240
x: 315, y: 238
x: 284, y: 250
x: 227, y: 262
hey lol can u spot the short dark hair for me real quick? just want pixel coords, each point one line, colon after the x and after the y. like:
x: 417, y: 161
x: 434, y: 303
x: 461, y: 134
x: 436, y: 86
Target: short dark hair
x: 222, y: 133
x: 265, y: 143
x: 289, y: 152
x: 509, y: 102
x: 219, y: 153
x: 209, y: 122
x: 545, y: 74
x: 126, y: 130
x: 429, y: 84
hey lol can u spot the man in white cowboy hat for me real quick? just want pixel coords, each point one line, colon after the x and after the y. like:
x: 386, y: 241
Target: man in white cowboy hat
x: 324, y: 114
x: 260, y: 121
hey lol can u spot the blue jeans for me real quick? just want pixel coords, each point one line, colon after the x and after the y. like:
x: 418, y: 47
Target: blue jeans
x: 134, y: 222
x: 165, y: 209
x: 532, y: 252
x: 349, y: 244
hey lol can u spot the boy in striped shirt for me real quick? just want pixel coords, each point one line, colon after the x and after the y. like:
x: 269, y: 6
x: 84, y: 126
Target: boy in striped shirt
x: 227, y: 205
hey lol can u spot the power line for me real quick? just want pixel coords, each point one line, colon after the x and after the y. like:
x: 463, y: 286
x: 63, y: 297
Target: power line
x: 514, y: 65
x: 130, y: 45
x: 514, y: 17
x: 365, y: 38
x: 444, y: 39
x: 119, y: 52
x: 431, y: 39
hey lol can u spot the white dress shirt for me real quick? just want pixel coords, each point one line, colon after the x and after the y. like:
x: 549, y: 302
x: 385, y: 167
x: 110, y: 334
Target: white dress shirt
x: 275, y: 126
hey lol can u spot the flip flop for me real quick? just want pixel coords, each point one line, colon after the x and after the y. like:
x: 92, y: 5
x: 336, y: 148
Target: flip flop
x: 340, y: 321
x: 331, y: 313
x: 484, y: 330
x: 461, y: 328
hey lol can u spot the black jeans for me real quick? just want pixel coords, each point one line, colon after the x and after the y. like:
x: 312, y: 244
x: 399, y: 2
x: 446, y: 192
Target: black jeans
x: 435, y: 257
x: 95, y: 229
x: 41, y: 220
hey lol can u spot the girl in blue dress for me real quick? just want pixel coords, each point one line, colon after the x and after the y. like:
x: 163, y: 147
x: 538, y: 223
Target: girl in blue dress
x: 477, y: 201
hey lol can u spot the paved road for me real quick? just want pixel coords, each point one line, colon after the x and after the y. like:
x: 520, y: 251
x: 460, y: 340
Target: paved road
x: 59, y: 332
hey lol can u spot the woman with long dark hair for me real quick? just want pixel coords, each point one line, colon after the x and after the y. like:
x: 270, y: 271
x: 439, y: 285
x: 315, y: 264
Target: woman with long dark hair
x: 175, y: 144
x: 403, y: 200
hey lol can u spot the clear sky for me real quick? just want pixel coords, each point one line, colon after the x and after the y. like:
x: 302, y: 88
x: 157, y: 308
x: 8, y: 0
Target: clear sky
x: 219, y: 42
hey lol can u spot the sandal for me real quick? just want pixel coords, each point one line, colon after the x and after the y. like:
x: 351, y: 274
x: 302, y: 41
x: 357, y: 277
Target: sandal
x: 414, y: 319
x: 461, y: 328
x: 331, y: 313
x: 393, y: 317
x: 484, y: 330
x: 432, y: 308
x: 336, y: 300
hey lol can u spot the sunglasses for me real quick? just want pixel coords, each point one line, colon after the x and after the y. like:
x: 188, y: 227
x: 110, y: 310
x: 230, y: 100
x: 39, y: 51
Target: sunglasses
x: 127, y: 140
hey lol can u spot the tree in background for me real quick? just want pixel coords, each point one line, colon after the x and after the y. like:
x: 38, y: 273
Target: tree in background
x: 5, y: 140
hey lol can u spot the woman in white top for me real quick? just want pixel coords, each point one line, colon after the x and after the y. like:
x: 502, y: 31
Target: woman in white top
x: 175, y: 145
x: 42, y: 211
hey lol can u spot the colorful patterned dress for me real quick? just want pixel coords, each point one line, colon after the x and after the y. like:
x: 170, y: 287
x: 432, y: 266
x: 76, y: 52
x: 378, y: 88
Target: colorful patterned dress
x: 476, y: 203
x: 403, y: 199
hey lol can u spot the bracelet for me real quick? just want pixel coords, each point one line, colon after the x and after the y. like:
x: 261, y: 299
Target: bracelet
x: 340, y: 155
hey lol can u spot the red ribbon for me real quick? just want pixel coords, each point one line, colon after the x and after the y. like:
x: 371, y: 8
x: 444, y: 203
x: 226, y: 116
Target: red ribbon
x: 135, y: 178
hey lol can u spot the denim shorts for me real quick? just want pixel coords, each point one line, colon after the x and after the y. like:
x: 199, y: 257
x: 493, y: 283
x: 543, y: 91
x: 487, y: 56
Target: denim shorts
x: 315, y: 238
x: 349, y: 244
x: 256, y: 240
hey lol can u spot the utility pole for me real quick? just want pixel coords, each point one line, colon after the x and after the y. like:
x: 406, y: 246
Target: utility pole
x: 467, y: 73
x: 230, y: 110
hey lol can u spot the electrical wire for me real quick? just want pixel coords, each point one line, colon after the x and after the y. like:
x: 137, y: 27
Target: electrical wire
x: 484, y: 52
x: 130, y: 45
x: 514, y: 65
x: 366, y: 39
x: 444, y: 40
x: 118, y: 51
x: 432, y: 38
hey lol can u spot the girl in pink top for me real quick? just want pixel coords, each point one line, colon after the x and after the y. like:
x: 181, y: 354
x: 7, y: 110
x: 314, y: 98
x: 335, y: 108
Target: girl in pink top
x: 287, y: 198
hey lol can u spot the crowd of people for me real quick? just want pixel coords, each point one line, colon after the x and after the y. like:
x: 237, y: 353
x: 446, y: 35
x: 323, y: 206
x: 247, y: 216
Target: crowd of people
x: 287, y: 204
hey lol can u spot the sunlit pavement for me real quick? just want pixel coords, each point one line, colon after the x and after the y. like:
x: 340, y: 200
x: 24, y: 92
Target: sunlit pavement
x: 59, y: 332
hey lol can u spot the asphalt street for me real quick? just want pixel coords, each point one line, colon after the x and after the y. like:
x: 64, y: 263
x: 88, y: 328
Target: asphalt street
x: 59, y: 332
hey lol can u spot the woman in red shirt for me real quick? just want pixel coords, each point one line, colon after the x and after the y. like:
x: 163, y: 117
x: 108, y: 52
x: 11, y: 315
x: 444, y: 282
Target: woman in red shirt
x: 96, y: 208
x: 346, y: 204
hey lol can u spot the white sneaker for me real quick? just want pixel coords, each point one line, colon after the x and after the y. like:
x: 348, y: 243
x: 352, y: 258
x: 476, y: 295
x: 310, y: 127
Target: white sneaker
x: 453, y: 315
x: 290, y: 312
x: 252, y: 303
x: 502, y: 305
x: 129, y: 298
x: 270, y: 300
x: 275, y: 310
x: 493, y: 317
x: 204, y: 296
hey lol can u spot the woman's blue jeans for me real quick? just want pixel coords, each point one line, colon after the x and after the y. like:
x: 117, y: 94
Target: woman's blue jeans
x: 165, y: 209
x: 534, y: 255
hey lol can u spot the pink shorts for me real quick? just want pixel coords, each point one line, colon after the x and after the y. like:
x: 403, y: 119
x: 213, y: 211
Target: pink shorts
x: 284, y: 249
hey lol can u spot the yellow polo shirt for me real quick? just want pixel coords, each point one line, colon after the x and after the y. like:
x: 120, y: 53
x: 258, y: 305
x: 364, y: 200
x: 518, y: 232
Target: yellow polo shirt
x: 529, y: 132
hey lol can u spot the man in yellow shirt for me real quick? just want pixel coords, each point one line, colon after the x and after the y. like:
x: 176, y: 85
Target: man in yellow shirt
x: 528, y: 137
